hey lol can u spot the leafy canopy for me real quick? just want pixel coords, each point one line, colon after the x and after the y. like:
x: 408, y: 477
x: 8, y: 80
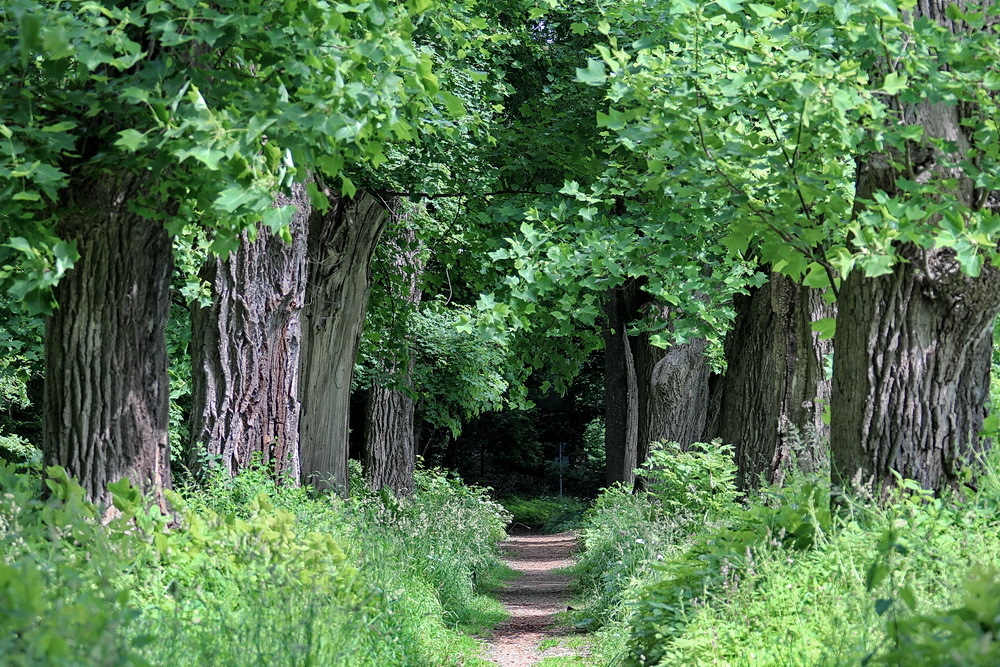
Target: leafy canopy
x: 217, y: 106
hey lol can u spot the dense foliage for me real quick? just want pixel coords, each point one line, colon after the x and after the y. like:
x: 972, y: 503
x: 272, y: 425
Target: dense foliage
x: 242, y: 563
x: 778, y: 578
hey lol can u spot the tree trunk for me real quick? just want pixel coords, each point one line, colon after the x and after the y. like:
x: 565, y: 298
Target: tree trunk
x: 913, y: 348
x: 912, y: 371
x: 621, y: 407
x: 771, y: 399
x: 672, y: 386
x: 340, y: 244
x: 106, y: 391
x: 390, y: 444
x: 389, y: 447
x: 245, y: 351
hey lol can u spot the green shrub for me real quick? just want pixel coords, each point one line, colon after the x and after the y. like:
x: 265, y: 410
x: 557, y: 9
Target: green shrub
x: 780, y: 579
x: 968, y: 634
x: 285, y: 581
x: 697, y: 480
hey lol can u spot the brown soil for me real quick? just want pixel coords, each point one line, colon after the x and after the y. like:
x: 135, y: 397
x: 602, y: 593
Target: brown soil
x: 533, y: 598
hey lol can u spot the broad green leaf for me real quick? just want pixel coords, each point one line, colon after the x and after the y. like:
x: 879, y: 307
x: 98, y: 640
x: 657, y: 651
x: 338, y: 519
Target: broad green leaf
x: 232, y: 198
x: 593, y: 75
x: 453, y: 104
x: 762, y: 11
x: 894, y: 83
x: 64, y: 126
x: 729, y: 6
x: 875, y: 575
x: 816, y: 276
x: 882, y: 605
x: 131, y: 140
x: 825, y: 327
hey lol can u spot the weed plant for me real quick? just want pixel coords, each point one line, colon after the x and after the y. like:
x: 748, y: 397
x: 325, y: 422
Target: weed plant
x: 280, y: 579
x: 779, y: 579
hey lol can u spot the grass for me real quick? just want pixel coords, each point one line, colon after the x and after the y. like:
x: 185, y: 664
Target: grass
x: 551, y: 514
x: 781, y: 580
x: 247, y: 571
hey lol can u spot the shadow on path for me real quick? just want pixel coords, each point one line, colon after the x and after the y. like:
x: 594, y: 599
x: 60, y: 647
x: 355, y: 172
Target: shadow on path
x: 533, y: 598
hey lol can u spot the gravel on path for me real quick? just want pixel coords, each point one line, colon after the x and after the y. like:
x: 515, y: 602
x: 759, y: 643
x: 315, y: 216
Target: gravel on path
x: 533, y: 598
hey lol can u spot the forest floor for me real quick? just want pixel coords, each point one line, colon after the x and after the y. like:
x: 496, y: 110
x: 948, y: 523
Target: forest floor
x: 532, y: 633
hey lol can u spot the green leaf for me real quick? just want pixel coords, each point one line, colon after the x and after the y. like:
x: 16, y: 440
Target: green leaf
x: 232, y: 198
x: 882, y: 605
x: 593, y: 75
x: 729, y: 6
x: 878, y: 265
x: 763, y: 11
x: 875, y: 575
x: 894, y: 83
x: 56, y: 43
x: 31, y: 27
x: 842, y: 10
x: 209, y: 157
x: 64, y: 126
x: 453, y: 104
x: 825, y: 327
x: 907, y: 596
x: 277, y: 217
x: 816, y: 276
x: 347, y: 187
x: 20, y: 243
x: 131, y: 140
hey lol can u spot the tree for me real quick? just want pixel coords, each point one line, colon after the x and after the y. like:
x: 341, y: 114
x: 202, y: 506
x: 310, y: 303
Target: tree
x: 621, y: 391
x: 390, y: 435
x: 119, y: 129
x: 775, y: 390
x: 106, y: 391
x: 856, y: 146
x: 245, y: 349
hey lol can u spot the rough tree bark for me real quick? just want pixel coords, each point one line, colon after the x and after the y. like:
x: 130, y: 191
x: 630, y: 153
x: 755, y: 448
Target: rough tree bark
x: 341, y: 243
x: 390, y: 439
x: 621, y: 407
x: 774, y: 391
x: 106, y: 393
x: 245, y: 350
x: 672, y: 386
x: 911, y: 369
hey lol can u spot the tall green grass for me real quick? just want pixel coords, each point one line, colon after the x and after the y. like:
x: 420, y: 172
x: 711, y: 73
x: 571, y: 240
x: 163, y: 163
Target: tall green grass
x: 245, y: 571
x: 784, y: 577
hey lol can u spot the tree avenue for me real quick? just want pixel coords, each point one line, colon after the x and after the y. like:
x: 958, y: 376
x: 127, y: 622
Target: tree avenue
x: 122, y: 123
x: 732, y: 198
x: 858, y: 143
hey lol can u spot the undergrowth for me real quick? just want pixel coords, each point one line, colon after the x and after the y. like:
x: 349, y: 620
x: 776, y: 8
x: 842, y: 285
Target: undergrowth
x: 245, y: 571
x: 552, y: 514
x: 673, y: 576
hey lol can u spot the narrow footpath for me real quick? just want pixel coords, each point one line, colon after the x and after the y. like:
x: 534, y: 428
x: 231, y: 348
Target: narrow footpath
x: 533, y: 599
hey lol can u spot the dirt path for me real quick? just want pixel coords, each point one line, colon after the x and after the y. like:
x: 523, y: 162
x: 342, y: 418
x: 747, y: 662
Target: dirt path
x: 533, y: 598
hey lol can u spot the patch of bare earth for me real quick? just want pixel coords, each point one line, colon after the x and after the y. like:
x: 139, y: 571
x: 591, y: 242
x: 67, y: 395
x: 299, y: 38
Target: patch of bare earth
x: 533, y: 599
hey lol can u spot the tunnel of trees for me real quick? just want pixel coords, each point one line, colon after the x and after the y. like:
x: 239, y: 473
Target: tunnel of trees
x: 513, y: 239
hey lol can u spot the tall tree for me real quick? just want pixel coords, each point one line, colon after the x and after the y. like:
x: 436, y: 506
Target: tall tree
x: 621, y: 391
x: 341, y: 244
x: 120, y: 106
x: 390, y: 435
x: 106, y: 392
x: 857, y: 148
x: 774, y: 392
x: 245, y: 348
